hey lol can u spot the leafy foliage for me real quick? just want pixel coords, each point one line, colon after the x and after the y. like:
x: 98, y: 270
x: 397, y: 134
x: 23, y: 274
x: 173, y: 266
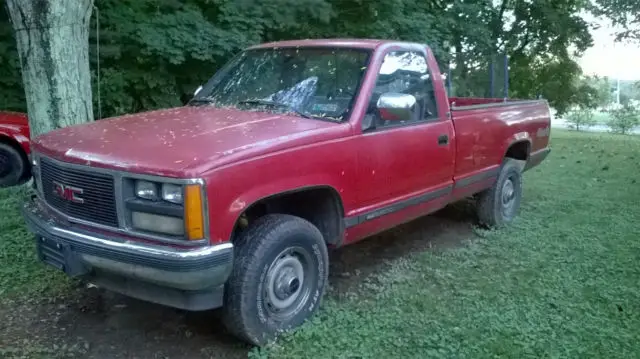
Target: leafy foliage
x: 624, y: 119
x: 629, y: 92
x: 154, y: 53
x: 602, y: 91
x: 11, y: 93
x: 623, y: 13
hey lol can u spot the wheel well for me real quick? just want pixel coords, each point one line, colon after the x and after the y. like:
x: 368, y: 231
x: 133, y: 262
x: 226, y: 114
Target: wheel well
x: 519, y: 151
x: 321, y: 206
x: 15, y: 145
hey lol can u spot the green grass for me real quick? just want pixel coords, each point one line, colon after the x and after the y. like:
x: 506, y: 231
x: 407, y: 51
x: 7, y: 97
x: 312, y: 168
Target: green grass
x: 563, y: 282
x: 21, y: 275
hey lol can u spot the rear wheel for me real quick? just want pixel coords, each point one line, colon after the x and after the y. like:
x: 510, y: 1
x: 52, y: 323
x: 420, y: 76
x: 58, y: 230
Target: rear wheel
x: 499, y: 205
x: 12, y: 166
x: 278, y: 279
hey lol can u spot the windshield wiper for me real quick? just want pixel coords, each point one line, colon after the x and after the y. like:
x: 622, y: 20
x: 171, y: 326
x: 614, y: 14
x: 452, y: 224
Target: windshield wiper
x: 275, y: 104
x: 201, y: 100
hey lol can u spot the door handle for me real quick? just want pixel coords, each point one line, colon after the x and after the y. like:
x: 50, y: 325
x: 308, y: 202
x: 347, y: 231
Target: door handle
x: 443, y: 140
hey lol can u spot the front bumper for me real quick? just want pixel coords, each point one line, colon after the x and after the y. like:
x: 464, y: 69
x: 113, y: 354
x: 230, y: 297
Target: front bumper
x: 184, y: 278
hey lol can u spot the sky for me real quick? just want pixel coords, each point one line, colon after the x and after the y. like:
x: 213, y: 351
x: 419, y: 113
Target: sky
x: 610, y: 58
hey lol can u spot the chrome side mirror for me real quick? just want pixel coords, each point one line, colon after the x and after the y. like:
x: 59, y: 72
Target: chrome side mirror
x: 395, y: 106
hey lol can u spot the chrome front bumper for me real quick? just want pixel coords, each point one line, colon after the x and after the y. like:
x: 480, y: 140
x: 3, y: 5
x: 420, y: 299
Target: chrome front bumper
x: 185, y: 278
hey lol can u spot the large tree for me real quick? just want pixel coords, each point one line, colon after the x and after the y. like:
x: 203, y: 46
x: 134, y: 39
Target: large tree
x: 52, y: 38
x: 543, y: 39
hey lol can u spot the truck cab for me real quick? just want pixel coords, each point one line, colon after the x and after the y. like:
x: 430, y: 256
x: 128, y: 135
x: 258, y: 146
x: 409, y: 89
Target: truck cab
x: 291, y: 149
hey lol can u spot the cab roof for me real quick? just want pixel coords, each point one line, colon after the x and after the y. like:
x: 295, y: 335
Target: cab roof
x: 351, y: 43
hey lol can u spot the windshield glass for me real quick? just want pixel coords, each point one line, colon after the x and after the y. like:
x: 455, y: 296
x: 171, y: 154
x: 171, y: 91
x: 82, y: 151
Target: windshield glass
x: 311, y: 82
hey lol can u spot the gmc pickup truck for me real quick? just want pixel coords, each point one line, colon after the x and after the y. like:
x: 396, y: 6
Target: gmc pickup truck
x: 14, y: 148
x: 292, y: 148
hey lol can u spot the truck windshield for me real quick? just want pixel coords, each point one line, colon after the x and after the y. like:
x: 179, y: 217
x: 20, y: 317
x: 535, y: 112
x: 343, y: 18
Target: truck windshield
x: 311, y: 82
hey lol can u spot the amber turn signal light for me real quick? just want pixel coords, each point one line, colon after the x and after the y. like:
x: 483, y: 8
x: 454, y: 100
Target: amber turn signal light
x: 193, y: 212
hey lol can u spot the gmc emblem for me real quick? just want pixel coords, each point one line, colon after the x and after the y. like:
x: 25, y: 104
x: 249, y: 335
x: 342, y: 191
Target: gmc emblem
x: 69, y: 193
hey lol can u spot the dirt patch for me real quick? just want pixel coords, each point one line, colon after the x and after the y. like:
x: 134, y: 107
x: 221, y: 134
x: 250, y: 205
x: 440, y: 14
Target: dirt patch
x: 92, y: 323
x: 444, y: 229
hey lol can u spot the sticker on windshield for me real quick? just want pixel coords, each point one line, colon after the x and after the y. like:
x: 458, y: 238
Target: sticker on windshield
x: 325, y: 107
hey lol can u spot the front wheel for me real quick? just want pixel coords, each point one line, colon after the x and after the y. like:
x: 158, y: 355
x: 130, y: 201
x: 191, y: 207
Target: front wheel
x: 499, y: 205
x: 278, y: 280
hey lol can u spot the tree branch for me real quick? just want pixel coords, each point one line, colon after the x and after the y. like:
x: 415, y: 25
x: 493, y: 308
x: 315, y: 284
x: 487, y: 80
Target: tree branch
x: 524, y: 44
x: 498, y: 24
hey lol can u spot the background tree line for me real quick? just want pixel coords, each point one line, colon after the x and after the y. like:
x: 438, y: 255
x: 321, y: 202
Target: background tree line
x: 154, y: 53
x: 602, y: 105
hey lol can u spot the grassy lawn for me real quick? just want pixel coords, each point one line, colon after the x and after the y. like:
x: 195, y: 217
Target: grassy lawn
x: 21, y: 275
x: 563, y: 282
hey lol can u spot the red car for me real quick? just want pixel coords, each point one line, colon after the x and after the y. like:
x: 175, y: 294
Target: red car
x: 14, y: 148
x: 293, y: 147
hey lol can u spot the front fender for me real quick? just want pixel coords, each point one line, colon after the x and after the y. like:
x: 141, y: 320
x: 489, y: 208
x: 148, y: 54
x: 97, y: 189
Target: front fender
x: 16, y: 137
x: 227, y: 212
x: 233, y: 189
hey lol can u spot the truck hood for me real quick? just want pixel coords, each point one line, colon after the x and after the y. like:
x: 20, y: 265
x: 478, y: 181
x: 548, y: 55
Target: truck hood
x: 185, y: 141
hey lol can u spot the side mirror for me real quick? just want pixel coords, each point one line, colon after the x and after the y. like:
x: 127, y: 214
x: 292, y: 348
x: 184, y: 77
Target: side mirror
x: 395, y: 106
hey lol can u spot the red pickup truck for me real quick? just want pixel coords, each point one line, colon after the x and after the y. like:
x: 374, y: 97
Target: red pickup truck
x: 291, y: 148
x: 14, y: 148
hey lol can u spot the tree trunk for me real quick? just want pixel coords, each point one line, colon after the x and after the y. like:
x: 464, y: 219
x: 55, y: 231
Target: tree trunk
x: 52, y: 37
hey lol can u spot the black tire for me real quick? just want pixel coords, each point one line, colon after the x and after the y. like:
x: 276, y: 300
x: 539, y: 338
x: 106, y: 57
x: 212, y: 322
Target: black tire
x: 499, y: 205
x: 264, y: 278
x: 13, y: 167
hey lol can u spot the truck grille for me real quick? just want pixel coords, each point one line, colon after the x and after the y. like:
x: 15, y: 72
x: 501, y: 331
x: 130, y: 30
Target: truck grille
x: 97, y: 197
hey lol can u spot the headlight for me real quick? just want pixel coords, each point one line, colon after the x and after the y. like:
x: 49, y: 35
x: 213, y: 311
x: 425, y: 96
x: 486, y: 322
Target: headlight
x: 169, y: 208
x: 146, y: 190
x: 172, y: 193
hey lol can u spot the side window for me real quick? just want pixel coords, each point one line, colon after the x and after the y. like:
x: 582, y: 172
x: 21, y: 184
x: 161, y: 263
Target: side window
x: 404, y: 72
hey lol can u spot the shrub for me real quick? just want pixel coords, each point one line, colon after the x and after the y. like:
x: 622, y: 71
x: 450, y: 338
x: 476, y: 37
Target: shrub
x: 581, y: 118
x: 624, y: 119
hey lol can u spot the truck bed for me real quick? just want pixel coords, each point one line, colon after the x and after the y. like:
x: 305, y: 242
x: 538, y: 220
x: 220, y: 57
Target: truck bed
x: 483, y: 125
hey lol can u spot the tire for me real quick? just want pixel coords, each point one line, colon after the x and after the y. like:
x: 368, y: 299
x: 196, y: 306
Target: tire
x: 499, y: 205
x: 278, y: 279
x: 13, y: 167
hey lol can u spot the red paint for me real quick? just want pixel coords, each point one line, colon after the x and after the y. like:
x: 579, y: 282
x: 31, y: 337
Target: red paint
x: 14, y: 127
x: 180, y: 142
x: 470, y: 101
x: 247, y: 156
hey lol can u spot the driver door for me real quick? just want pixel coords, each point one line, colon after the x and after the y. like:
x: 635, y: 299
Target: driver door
x: 410, y: 162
